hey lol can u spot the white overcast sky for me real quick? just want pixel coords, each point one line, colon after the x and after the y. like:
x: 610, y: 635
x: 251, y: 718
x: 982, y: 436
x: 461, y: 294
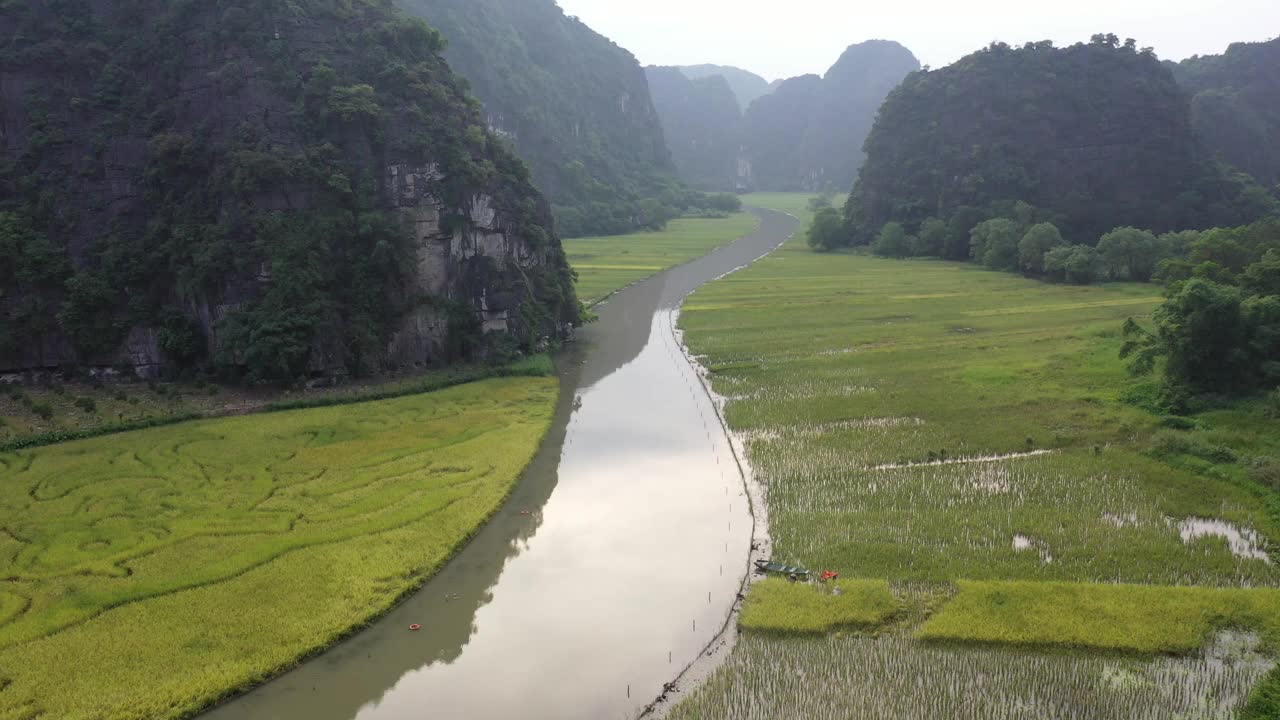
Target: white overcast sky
x: 784, y: 38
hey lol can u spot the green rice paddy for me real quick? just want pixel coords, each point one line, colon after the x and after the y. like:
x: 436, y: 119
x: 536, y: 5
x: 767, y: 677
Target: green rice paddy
x: 959, y: 432
x: 776, y: 605
x: 891, y: 677
x: 149, y: 574
x: 1131, y: 618
x: 608, y: 264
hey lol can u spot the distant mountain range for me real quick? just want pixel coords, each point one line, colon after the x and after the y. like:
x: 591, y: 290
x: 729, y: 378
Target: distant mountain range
x: 746, y: 85
x: 805, y: 133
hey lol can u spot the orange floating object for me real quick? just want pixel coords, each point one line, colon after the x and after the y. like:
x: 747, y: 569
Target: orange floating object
x: 415, y: 627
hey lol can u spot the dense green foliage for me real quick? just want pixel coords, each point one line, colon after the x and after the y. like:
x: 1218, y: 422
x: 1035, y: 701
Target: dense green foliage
x: 1219, y: 329
x: 1091, y: 137
x: 1235, y: 105
x: 747, y: 86
x: 808, y: 134
x: 574, y: 105
x: 826, y: 231
x: 213, y: 554
x: 253, y: 209
x: 703, y: 126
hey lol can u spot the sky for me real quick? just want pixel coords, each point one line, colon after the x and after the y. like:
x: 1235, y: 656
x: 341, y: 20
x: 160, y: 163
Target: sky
x: 785, y: 38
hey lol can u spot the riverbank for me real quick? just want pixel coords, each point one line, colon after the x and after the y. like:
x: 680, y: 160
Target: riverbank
x: 54, y: 408
x: 606, y: 265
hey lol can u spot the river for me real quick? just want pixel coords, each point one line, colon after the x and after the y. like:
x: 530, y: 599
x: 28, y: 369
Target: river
x: 612, y: 566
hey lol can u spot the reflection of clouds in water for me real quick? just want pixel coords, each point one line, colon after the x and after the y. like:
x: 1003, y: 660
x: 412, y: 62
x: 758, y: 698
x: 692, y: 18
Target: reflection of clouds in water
x: 1022, y: 543
x: 642, y: 480
x: 555, y: 613
x: 1244, y: 542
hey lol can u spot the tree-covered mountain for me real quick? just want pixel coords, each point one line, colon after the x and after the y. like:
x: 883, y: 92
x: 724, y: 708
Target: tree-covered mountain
x: 747, y: 86
x: 808, y: 134
x: 1092, y: 137
x: 277, y: 187
x: 702, y: 124
x: 1235, y: 105
x: 575, y: 105
x: 774, y: 131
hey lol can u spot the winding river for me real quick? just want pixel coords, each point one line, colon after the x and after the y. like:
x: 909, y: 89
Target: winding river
x: 610, y: 569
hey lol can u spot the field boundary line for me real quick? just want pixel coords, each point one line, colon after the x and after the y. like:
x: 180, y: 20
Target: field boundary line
x: 727, y: 634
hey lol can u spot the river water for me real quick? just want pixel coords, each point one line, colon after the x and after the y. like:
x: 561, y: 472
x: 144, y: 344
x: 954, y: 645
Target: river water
x: 614, y: 563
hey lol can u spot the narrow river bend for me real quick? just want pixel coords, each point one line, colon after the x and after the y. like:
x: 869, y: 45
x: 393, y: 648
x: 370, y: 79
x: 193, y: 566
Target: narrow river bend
x: 611, y: 567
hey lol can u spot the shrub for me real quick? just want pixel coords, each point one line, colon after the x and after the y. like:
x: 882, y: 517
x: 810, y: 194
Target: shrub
x: 994, y: 243
x: 1266, y: 471
x: 1078, y: 264
x: 827, y: 231
x: 1038, y: 241
x: 42, y: 411
x: 931, y: 241
x: 892, y: 242
x: 1272, y: 407
x: 1174, y: 422
x: 87, y: 404
x: 1170, y: 444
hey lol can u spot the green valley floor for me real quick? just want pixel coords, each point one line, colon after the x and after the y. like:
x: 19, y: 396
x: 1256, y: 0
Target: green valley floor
x: 1016, y: 536
x: 608, y: 264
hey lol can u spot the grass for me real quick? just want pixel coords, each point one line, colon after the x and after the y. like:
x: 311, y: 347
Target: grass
x: 776, y: 605
x: 608, y: 264
x: 60, y: 409
x: 891, y: 677
x: 932, y: 423
x: 152, y: 573
x: 831, y: 378
x: 1141, y: 619
x: 796, y: 204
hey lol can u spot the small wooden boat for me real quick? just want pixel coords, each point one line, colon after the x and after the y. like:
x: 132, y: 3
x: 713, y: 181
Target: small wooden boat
x: 769, y: 566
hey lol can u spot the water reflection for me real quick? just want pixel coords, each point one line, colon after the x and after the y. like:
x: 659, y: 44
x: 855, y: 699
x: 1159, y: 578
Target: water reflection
x: 611, y: 566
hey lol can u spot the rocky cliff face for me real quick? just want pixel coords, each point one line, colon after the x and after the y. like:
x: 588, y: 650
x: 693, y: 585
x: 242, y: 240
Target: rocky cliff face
x: 277, y: 187
x: 574, y: 105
